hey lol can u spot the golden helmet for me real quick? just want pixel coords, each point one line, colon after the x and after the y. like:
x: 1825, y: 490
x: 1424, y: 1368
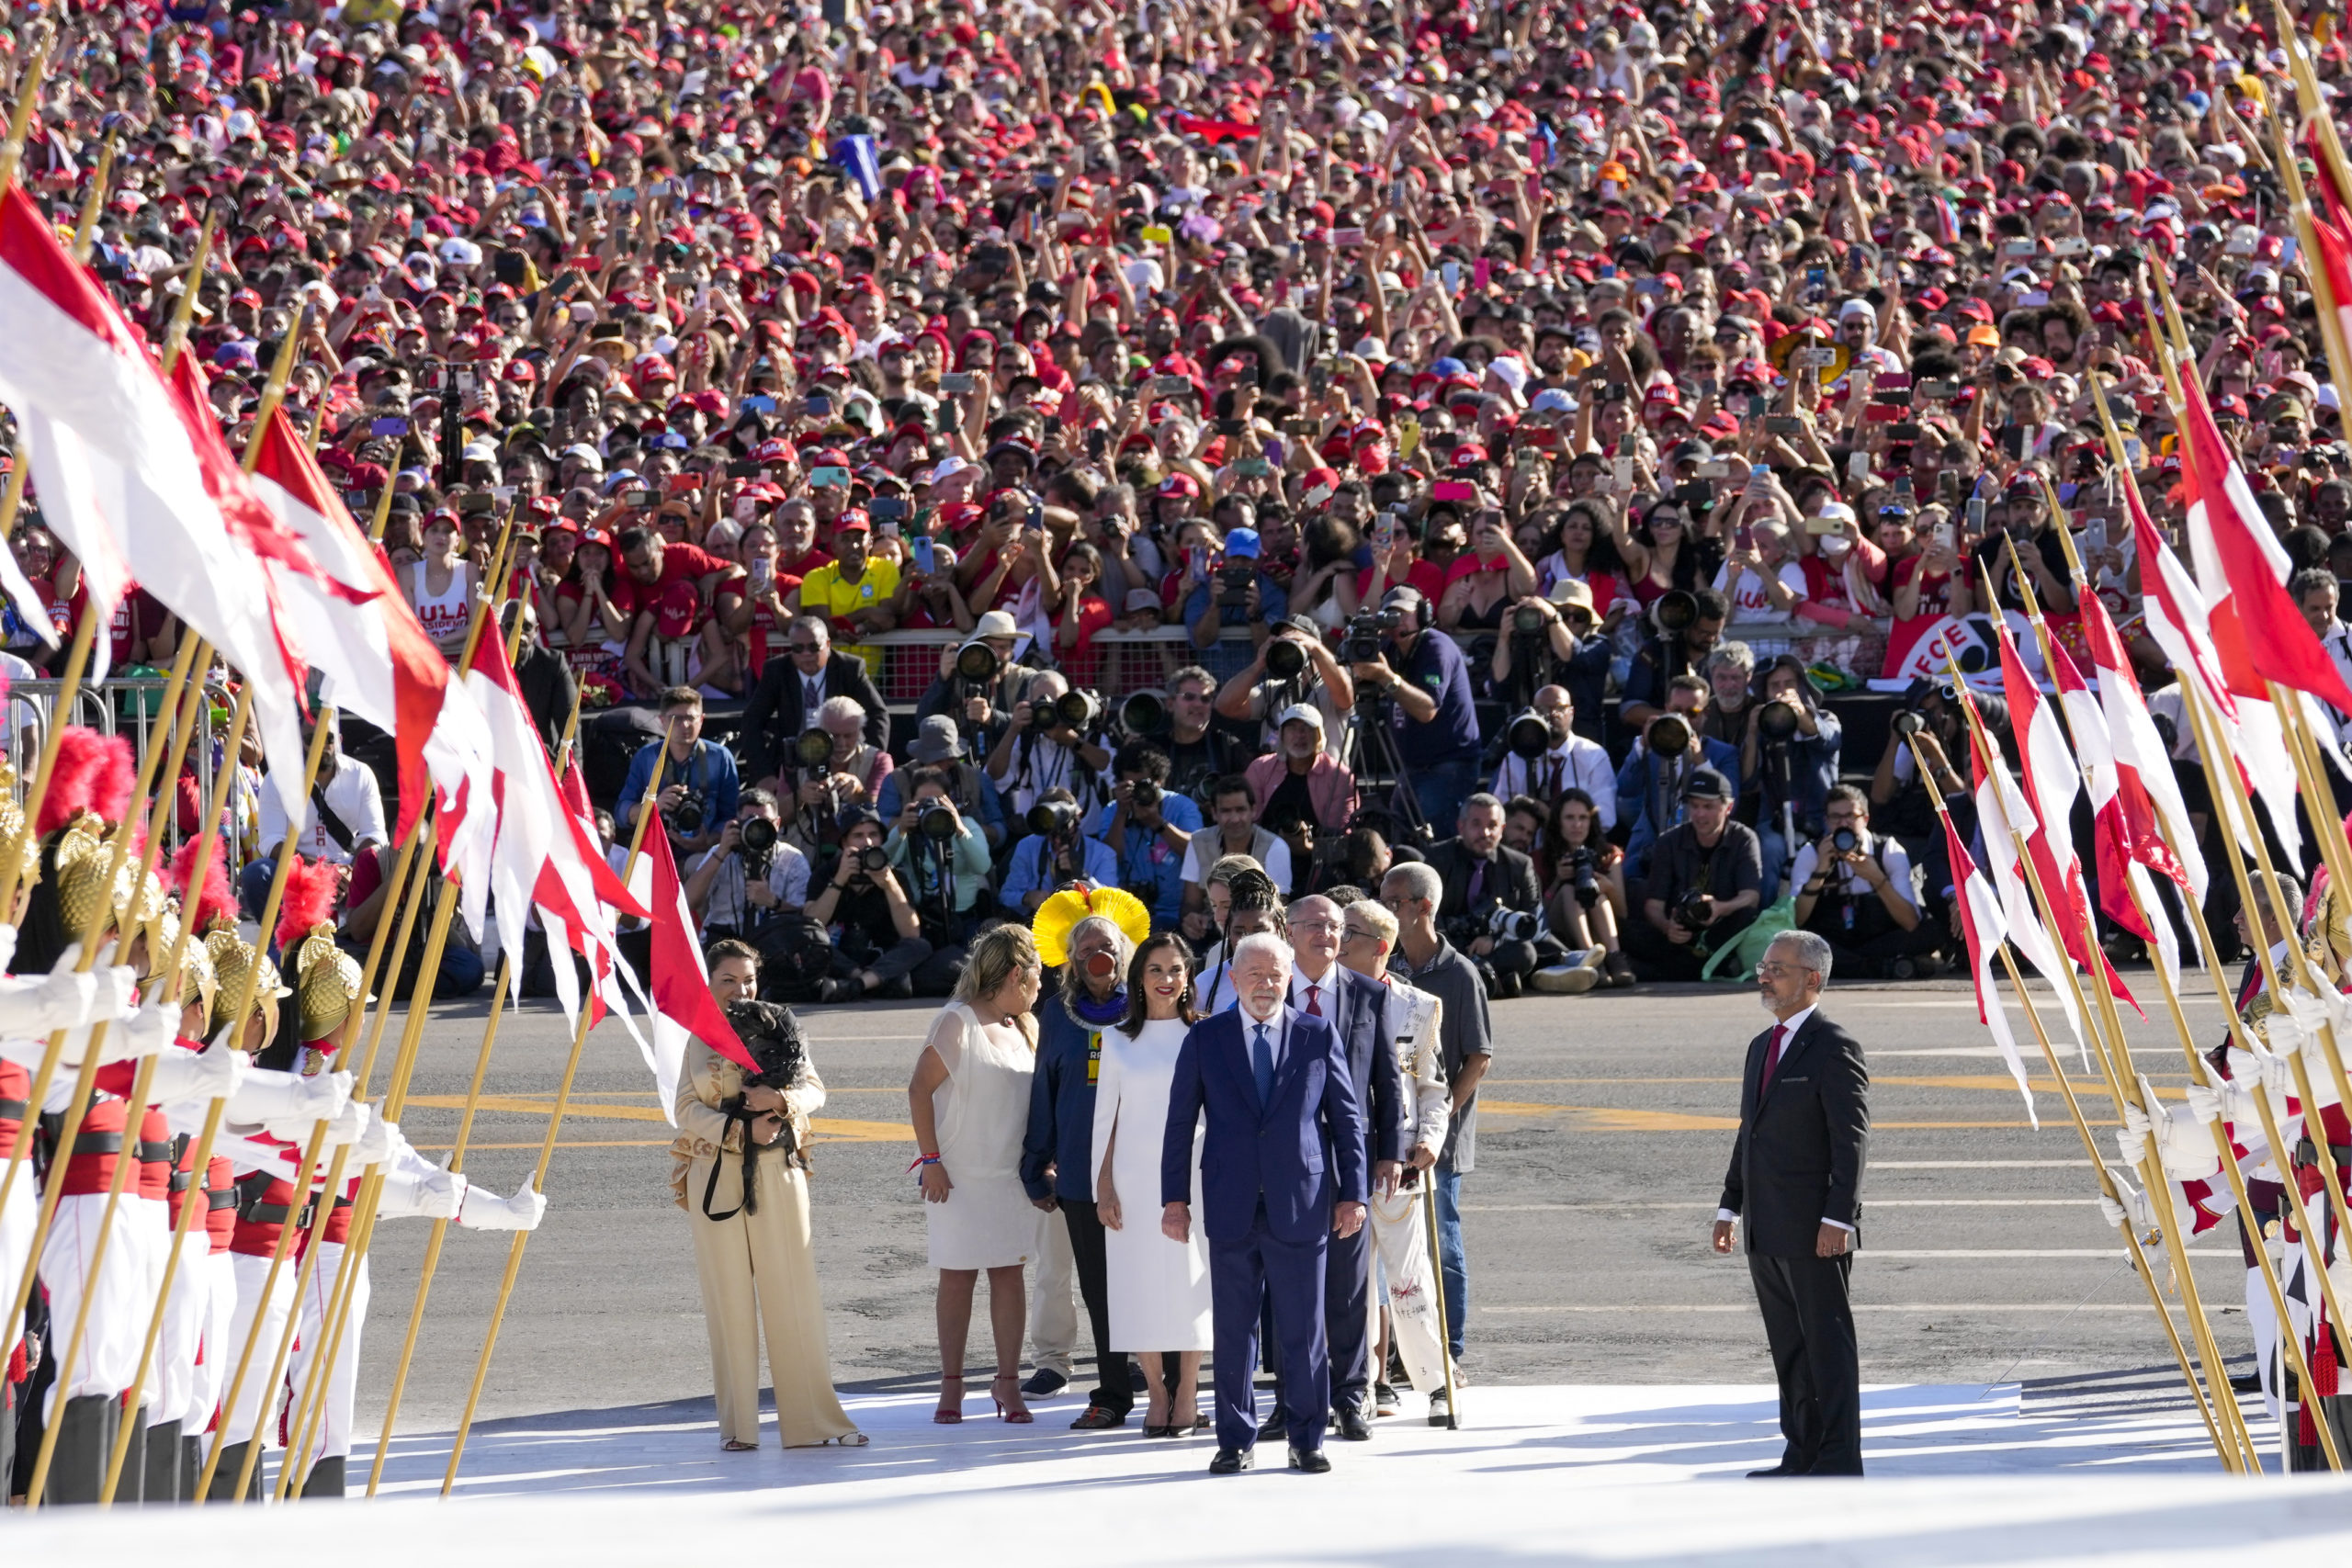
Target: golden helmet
x: 82, y: 857
x: 233, y: 959
x: 198, y: 983
x: 326, y: 984
x: 16, y: 841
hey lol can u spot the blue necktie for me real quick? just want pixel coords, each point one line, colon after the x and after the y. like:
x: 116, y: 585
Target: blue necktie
x: 1262, y: 1064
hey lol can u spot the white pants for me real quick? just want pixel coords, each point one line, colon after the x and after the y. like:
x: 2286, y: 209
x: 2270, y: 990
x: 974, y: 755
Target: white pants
x: 17, y: 1217
x: 185, y: 1318
x: 239, y: 1421
x: 310, y: 1343
x: 108, y: 1358
x: 1400, y: 1236
x: 149, y: 1233
x: 209, y: 1377
x: 1052, y: 1301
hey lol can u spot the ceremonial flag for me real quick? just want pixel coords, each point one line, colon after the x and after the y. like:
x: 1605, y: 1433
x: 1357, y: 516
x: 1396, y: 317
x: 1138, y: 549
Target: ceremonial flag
x: 1982, y: 922
x: 376, y: 661
x: 2003, y: 818
x: 2052, y: 782
x: 684, y: 1008
x: 2121, y: 874
x: 124, y: 477
x: 2162, y: 836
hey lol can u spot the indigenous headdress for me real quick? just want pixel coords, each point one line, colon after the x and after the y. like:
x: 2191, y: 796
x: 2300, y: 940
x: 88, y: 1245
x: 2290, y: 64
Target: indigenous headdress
x: 1059, y: 915
x: 326, y: 979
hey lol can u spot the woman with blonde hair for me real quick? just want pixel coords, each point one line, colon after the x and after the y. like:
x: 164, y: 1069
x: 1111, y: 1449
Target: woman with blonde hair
x: 969, y: 1102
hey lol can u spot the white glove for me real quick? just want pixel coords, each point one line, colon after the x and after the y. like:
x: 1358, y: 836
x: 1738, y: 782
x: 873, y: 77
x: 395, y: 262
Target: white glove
x: 2131, y: 1138
x: 375, y: 1144
x: 62, y: 999
x: 198, y: 1075
x: 440, y: 1194
x: 7, y: 948
x: 485, y: 1211
x: 325, y: 1095
x: 2184, y: 1149
x: 2129, y: 1207
x: 153, y: 1027
x: 347, y: 1125
x: 2205, y: 1104
x: 2277, y: 1078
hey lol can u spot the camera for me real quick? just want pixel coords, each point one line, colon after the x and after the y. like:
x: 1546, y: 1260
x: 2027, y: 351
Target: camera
x: 815, y: 747
x: 1675, y: 610
x: 1529, y: 735
x: 1584, y: 876
x: 1506, y: 924
x: 977, y: 663
x: 1233, y: 584
x: 1053, y: 819
x: 1146, y: 796
x: 1908, y: 722
x: 758, y: 837
x: 1077, y: 709
x: 1694, y: 911
x: 937, y: 822
x: 1362, y: 641
x: 684, y: 817
x: 1286, y: 660
x: 1776, y: 721
x: 871, y: 859
x: 1844, y: 840
x: 1144, y: 713
x: 1527, y: 621
x: 1668, y: 735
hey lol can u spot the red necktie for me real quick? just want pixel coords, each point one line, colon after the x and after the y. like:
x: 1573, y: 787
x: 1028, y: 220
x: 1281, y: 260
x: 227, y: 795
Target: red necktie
x: 1772, y: 1058
x: 1314, y: 1008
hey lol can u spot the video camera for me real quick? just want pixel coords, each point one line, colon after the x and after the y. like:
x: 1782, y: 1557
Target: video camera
x: 1359, y: 644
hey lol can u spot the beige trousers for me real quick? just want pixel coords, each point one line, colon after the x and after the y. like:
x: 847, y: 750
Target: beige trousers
x: 759, y: 1275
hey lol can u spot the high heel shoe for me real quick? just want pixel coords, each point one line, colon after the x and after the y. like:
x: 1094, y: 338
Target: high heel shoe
x: 1019, y: 1413
x: 949, y: 1414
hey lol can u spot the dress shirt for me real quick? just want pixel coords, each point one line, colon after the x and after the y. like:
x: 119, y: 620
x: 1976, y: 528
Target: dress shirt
x: 1274, y: 1033
x: 1324, y: 989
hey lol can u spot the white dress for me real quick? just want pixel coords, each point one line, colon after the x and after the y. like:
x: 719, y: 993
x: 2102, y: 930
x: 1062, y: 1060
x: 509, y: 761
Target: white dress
x: 981, y: 1112
x: 1160, y: 1288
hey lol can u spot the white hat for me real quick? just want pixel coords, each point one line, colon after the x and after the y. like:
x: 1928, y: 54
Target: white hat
x: 1302, y: 713
x: 996, y: 623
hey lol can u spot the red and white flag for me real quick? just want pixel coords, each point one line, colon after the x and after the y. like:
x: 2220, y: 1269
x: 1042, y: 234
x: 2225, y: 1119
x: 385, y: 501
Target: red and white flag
x: 2052, y: 782
x: 377, y: 662
x: 579, y: 892
x: 2121, y: 872
x: 2003, y: 818
x: 684, y: 1008
x: 1982, y: 922
x: 128, y: 470
x: 2162, y: 837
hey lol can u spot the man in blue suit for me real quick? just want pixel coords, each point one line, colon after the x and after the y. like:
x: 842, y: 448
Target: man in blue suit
x: 1282, y: 1171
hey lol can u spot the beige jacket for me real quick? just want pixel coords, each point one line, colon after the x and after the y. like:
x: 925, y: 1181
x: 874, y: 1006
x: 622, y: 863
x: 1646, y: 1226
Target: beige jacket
x: 705, y: 1132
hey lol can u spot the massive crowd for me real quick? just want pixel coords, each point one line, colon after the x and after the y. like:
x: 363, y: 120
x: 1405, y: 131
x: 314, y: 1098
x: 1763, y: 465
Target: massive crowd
x: 1016, y: 446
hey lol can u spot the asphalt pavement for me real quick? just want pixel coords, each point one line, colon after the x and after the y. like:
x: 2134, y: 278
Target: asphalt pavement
x: 1606, y: 1122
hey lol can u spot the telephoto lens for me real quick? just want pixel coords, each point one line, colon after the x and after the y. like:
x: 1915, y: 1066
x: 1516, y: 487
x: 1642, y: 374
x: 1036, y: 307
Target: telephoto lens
x: 1529, y: 735
x: 1286, y: 660
x: 1776, y: 721
x: 871, y: 859
x: 936, y: 822
x: 977, y: 663
x: 1527, y: 620
x: 815, y: 747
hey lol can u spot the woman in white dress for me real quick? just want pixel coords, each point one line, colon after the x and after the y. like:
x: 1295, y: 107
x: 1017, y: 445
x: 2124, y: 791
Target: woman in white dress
x: 1160, y: 1288
x: 969, y: 1104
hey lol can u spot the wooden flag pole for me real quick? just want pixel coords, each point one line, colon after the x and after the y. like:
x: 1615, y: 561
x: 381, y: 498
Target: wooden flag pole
x: 645, y: 813
x: 2239, y: 1450
x: 85, y: 229
x: 2131, y: 1243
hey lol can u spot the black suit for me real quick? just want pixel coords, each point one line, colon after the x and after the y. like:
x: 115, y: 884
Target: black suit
x: 1368, y: 1043
x: 1798, y: 1161
x: 1510, y: 882
x: 773, y: 718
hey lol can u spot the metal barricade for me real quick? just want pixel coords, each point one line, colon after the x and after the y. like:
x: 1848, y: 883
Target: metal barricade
x: 1125, y: 663
x: 131, y: 705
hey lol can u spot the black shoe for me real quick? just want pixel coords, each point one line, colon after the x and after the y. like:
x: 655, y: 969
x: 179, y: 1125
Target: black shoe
x: 1353, y: 1428
x: 1044, y: 1381
x: 829, y: 991
x: 1139, y: 1380
x: 1441, y: 1408
x: 1276, y: 1428
x: 2250, y: 1383
x: 1099, y: 1419
x: 900, y: 990
x: 1311, y: 1460
x: 1232, y: 1462
x: 1784, y: 1468
x: 163, y: 1464
x: 1383, y: 1398
x: 325, y: 1479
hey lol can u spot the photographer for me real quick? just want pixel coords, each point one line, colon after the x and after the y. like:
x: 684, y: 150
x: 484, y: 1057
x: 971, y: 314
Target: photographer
x: 699, y: 793
x: 1198, y: 749
x: 1427, y: 681
x: 1149, y: 829
x: 1854, y: 888
x: 1584, y: 899
x: 750, y: 876
x: 841, y: 722
x: 1649, y: 786
x: 1930, y: 716
x: 1491, y: 902
x: 1704, y: 886
x: 1544, y: 756
x: 1293, y: 666
x: 937, y: 745
x: 1235, y: 592
x: 1789, y: 758
x: 784, y: 705
x: 1056, y: 853
x: 879, y: 948
x: 979, y: 682
x: 1686, y: 625
x: 944, y: 859
x: 1233, y: 807
x: 1546, y: 641
x: 1300, y: 778
x: 1044, y: 749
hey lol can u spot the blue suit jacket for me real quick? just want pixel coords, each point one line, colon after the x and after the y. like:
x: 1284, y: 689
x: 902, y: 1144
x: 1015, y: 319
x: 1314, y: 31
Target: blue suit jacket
x: 1368, y: 1044
x: 1301, y: 1154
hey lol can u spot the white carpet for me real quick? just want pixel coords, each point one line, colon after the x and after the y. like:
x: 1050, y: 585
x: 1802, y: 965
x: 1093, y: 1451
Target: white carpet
x: 1626, y: 1475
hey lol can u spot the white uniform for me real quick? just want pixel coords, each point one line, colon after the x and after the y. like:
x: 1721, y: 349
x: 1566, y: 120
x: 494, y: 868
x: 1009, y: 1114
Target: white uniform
x: 1399, y: 1228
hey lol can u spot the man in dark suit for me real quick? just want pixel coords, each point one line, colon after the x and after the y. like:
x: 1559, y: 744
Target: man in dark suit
x: 784, y: 705
x: 1358, y: 1008
x: 1281, y: 1171
x: 1482, y: 874
x: 1796, y: 1180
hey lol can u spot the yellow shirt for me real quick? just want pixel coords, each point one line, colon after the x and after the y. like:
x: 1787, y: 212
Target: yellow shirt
x: 824, y: 593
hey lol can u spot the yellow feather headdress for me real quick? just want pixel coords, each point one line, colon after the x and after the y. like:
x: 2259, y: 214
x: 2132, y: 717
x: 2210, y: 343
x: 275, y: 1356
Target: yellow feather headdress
x: 1059, y: 914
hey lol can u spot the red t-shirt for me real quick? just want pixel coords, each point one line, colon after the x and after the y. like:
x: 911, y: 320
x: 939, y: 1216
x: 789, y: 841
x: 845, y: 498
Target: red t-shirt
x: 1424, y: 575
x: 1084, y: 661
x: 680, y: 563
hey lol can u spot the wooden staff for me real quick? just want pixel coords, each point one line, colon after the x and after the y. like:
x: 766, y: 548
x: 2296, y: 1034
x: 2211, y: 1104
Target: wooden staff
x: 2239, y: 1450
x: 2132, y: 1243
x: 86, y: 228
x: 20, y: 120
x: 440, y: 1229
x: 2115, y: 1052
x: 645, y: 814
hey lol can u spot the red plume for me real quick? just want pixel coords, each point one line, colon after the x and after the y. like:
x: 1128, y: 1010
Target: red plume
x: 216, y: 903
x: 310, y: 889
x: 92, y: 772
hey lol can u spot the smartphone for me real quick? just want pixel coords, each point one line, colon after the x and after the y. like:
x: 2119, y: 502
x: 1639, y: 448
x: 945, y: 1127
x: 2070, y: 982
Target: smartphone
x: 1199, y: 557
x: 2014, y: 248
x: 1976, y: 516
x: 1817, y: 358
x: 1744, y: 538
x: 821, y: 405
x: 1937, y: 391
x: 2013, y: 443
x: 830, y: 478
x: 886, y: 509
x: 2094, y: 537
x: 1902, y: 430
x: 744, y: 468
x: 1858, y: 467
x: 955, y: 381
x: 1347, y: 239
x: 1783, y: 424
x: 1168, y: 387
x: 918, y: 548
x: 1620, y: 474
x: 1944, y: 540
x: 1816, y: 278
x: 1253, y: 467
x: 640, y: 499
x: 390, y: 424
x: 1760, y: 474
x: 1453, y: 490
x: 1247, y: 376
x: 503, y: 494
x: 1756, y: 405
x: 1098, y: 442
x: 1230, y: 426
x: 1451, y: 273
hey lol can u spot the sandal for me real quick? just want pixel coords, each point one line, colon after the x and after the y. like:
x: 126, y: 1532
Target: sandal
x: 1018, y: 1413
x: 737, y: 1446
x: 852, y: 1440
x: 949, y: 1414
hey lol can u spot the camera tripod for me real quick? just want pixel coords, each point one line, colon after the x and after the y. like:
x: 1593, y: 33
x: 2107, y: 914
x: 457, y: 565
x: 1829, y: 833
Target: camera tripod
x: 1378, y: 764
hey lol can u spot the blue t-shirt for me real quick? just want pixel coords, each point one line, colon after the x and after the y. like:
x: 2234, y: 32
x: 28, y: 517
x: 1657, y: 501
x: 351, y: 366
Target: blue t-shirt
x: 709, y: 771
x: 1032, y: 862
x: 1145, y: 861
x: 1436, y: 666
